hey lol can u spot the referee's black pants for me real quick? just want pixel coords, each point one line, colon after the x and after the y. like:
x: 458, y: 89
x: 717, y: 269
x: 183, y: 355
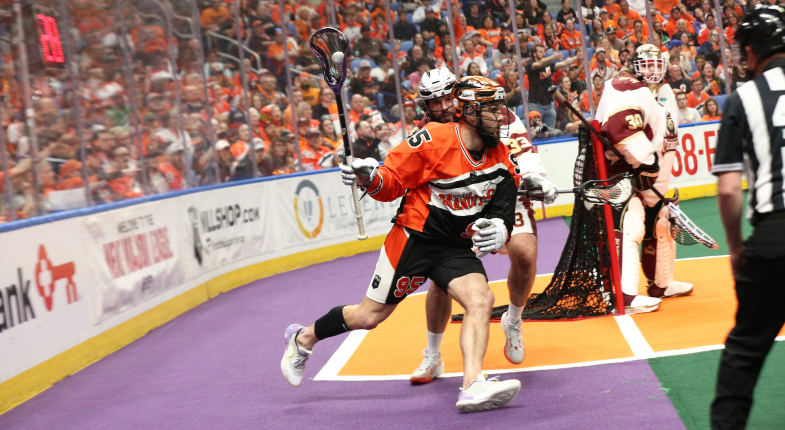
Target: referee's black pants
x: 760, y: 290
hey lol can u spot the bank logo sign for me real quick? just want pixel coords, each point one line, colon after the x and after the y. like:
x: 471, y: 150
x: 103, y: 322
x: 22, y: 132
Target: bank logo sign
x: 308, y: 209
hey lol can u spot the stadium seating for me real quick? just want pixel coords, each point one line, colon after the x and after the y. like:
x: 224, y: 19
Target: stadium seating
x: 406, y: 45
x: 493, y: 73
x: 720, y: 101
x: 355, y: 64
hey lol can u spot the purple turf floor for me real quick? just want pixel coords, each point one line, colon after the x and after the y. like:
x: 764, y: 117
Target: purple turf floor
x: 217, y: 367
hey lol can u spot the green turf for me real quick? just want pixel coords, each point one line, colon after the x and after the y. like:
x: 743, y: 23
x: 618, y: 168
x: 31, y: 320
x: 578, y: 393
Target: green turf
x: 703, y: 212
x: 689, y: 381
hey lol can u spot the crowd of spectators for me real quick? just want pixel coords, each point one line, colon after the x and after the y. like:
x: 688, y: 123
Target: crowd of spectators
x: 162, y: 107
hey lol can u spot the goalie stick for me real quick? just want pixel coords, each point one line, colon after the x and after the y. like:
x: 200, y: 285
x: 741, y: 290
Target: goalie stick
x: 683, y: 229
x: 330, y: 46
x: 616, y: 191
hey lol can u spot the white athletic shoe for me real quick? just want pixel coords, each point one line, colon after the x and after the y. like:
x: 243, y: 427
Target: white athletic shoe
x: 431, y: 367
x: 676, y: 289
x: 513, y: 347
x: 642, y: 304
x: 295, y: 356
x: 486, y: 394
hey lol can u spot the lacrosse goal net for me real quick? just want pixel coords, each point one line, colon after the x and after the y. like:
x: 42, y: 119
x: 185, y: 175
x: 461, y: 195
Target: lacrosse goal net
x: 582, y: 285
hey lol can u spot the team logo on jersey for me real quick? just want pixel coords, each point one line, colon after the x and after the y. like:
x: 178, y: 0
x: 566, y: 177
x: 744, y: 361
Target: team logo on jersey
x: 306, y: 201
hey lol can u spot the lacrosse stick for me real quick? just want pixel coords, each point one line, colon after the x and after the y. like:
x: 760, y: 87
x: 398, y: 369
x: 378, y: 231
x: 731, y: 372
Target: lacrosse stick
x: 685, y: 232
x: 330, y: 46
x: 615, y: 191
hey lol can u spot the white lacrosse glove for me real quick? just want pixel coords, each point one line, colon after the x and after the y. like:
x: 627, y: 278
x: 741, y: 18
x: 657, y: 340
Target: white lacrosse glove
x: 535, y: 181
x: 363, y: 170
x: 490, y: 235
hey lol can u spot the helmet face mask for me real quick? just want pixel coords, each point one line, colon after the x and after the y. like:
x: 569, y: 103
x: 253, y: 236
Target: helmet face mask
x: 479, y: 102
x: 440, y: 109
x: 435, y: 86
x: 648, y: 64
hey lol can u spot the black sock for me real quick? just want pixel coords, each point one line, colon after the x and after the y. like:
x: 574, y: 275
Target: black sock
x: 331, y: 324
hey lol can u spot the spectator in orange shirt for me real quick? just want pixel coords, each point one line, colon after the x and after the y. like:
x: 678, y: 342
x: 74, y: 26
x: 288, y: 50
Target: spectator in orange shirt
x: 711, y: 24
x: 276, y: 53
x: 570, y: 38
x: 711, y: 111
x: 548, y: 19
x: 696, y: 97
x: 637, y: 34
x: 489, y: 31
x: 631, y: 15
x: 672, y: 25
x: 213, y: 16
x: 315, y: 155
x: 613, y: 10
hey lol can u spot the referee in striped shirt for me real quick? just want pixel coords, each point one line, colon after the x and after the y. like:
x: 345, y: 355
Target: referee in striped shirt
x: 751, y: 138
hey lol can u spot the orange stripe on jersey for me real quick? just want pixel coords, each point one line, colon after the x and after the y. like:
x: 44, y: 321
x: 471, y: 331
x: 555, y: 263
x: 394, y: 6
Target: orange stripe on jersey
x: 394, y: 245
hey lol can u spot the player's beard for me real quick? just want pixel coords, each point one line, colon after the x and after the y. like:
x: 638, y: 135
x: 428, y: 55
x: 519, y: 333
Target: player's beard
x: 490, y: 141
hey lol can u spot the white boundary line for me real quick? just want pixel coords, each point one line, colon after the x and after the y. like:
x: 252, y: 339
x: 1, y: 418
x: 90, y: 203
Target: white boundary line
x: 341, y: 356
x: 632, y: 334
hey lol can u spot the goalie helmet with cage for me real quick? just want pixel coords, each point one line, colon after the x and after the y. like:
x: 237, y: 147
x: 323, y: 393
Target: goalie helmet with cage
x: 436, y: 86
x: 647, y: 64
x: 474, y: 95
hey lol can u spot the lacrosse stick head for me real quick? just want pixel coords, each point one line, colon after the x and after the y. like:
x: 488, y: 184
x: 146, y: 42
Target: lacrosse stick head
x: 330, y: 46
x: 685, y: 232
x: 616, y: 191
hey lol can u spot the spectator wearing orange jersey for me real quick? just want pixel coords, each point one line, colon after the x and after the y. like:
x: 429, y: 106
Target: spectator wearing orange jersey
x: 638, y: 37
x: 612, y: 8
x: 672, y: 25
x: 213, y: 16
x: 547, y: 18
x: 276, y: 53
x: 598, y: 84
x: 489, y: 32
x: 711, y: 111
x: 625, y: 11
x: 315, y: 154
x: 665, y: 6
x: 460, y: 26
x: 570, y: 37
x: 711, y: 24
x: 696, y: 97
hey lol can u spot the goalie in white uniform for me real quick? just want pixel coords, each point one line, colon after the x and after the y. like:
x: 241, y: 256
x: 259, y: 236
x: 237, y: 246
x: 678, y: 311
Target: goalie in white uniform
x: 435, y: 88
x: 647, y: 137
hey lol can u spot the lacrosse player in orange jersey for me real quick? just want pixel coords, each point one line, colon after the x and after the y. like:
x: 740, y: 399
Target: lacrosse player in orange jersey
x: 435, y: 94
x: 459, y: 192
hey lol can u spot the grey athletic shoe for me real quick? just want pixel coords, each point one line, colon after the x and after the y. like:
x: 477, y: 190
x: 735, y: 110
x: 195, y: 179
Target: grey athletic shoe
x: 513, y: 346
x: 295, y: 356
x: 486, y: 394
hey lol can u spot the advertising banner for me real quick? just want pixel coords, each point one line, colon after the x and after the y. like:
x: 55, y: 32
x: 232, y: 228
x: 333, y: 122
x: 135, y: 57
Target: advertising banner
x: 225, y: 225
x: 44, y: 299
x: 695, y: 155
x: 317, y: 207
x: 133, y: 254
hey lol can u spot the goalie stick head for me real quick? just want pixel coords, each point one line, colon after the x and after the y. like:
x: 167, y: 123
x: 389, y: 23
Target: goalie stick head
x: 330, y: 45
x: 685, y: 232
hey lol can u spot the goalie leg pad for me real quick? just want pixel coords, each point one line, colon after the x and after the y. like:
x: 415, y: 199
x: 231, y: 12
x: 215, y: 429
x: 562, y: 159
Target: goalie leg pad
x: 633, y: 229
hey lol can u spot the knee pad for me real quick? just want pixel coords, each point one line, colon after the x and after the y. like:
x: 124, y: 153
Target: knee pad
x: 331, y: 324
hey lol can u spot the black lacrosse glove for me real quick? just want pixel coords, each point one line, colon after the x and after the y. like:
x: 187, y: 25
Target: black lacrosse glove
x: 646, y: 175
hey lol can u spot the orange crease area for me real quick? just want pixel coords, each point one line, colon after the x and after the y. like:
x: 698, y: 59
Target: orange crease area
x: 702, y: 319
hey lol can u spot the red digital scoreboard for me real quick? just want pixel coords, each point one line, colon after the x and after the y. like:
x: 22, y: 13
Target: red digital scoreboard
x: 49, y: 38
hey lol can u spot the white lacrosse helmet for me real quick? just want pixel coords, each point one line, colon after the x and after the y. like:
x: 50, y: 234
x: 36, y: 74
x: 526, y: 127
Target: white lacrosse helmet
x: 648, y: 64
x: 436, y: 84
